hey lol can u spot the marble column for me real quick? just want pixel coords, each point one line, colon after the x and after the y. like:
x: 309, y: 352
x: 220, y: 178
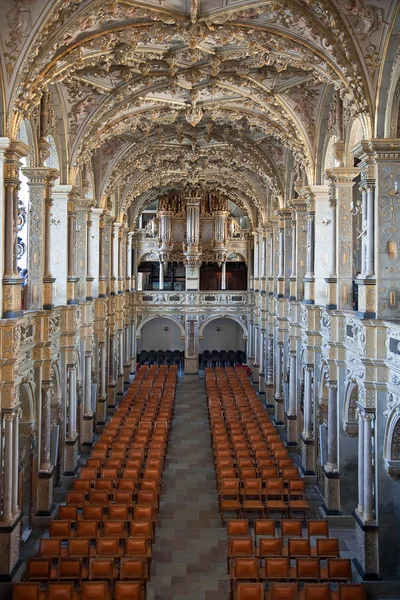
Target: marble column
x: 71, y: 442
x: 4, y: 144
x: 8, y: 467
x: 307, y: 429
x: 293, y: 273
x: 281, y: 259
x: 161, y: 276
x: 291, y: 415
x: 11, y: 279
x: 113, y: 255
x: 279, y: 403
x: 45, y: 428
x: 72, y: 402
x: 250, y: 345
x: 87, y: 432
x: 88, y: 385
x: 120, y: 382
x: 332, y: 464
x: 127, y: 353
x: 363, y: 191
x: 309, y: 280
x: 292, y: 409
x: 223, y: 276
x: 121, y: 253
x: 72, y: 278
x: 271, y: 280
x: 102, y: 395
x: 331, y: 280
x: 360, y: 507
x: 15, y: 440
x: 48, y: 279
x: 45, y: 479
x: 368, y: 470
x: 89, y: 248
x: 102, y: 246
x: 369, y: 261
x: 256, y: 349
x: 261, y: 373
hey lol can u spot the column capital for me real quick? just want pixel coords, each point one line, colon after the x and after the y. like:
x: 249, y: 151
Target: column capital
x: 332, y: 385
x: 342, y: 175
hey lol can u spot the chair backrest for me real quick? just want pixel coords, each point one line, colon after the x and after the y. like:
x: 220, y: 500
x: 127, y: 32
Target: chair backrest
x: 77, y: 497
x: 114, y: 529
x: 107, y: 546
x: 127, y: 590
x: 238, y: 527
x: 252, y: 486
x: 39, y: 569
x: 101, y: 568
x: 307, y: 569
x: 245, y: 568
x: 318, y: 528
x: 94, y: 590
x: 264, y: 527
x: 26, y: 591
x: 87, y: 529
x: 249, y: 591
x: 351, y: 591
x: 133, y: 568
x: 141, y: 528
x: 61, y: 591
x: 339, y: 569
x: 291, y: 527
x: 94, y: 513
x: 299, y: 547
x: 67, y: 513
x: 60, y: 529
x: 275, y: 486
x: 242, y: 546
x: 277, y: 568
x: 136, y: 546
x: 270, y: 547
x: 317, y: 591
x: 79, y: 547
x: 284, y: 591
x: 328, y: 547
x: 50, y: 547
x: 70, y: 568
x: 119, y: 512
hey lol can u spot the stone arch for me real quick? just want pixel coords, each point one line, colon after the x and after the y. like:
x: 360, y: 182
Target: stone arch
x: 350, y: 422
x: 391, y: 443
x: 329, y: 159
x: 26, y: 451
x: 322, y: 387
x: 161, y: 316
x: 214, y: 317
x: 356, y: 134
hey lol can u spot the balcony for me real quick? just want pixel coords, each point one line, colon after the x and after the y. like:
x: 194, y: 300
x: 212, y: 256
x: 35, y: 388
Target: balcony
x: 193, y: 299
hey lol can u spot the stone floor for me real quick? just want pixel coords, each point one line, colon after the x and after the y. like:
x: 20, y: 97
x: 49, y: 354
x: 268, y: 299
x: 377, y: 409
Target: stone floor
x: 189, y: 552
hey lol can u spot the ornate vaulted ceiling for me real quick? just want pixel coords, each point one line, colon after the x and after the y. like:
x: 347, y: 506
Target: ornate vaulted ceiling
x: 223, y: 94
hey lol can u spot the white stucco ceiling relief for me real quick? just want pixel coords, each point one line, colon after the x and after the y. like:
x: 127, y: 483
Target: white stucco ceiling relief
x: 198, y: 92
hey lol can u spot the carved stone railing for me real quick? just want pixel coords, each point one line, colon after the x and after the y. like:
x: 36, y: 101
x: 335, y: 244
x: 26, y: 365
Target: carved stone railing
x: 199, y: 299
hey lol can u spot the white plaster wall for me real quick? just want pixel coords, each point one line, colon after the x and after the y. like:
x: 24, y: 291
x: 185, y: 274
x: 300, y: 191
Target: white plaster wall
x: 229, y: 338
x: 153, y: 336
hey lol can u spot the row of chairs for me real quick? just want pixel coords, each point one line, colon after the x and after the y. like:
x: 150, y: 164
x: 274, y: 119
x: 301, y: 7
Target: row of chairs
x: 160, y: 357
x: 253, y: 469
x: 290, y: 591
x: 100, y: 545
x: 249, y: 476
x: 222, y: 358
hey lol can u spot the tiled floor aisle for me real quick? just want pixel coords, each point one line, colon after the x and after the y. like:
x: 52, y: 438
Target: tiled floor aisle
x: 189, y: 552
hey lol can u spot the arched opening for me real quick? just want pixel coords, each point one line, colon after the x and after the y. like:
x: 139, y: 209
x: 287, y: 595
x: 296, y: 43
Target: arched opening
x: 348, y: 449
x: 321, y: 428
x: 222, y: 334
x: 160, y: 334
x: 27, y: 456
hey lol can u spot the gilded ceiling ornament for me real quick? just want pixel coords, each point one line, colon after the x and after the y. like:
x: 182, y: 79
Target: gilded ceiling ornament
x: 193, y: 114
